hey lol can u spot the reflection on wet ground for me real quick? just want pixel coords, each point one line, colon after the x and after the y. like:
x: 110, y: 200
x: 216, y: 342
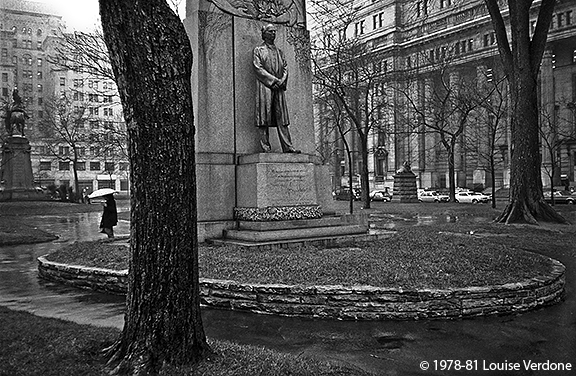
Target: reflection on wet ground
x: 395, y: 221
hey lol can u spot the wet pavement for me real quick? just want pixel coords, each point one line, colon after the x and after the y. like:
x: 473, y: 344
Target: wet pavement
x: 383, y: 347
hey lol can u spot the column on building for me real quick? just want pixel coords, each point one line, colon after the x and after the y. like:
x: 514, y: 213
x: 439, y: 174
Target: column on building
x: 479, y: 134
x: 430, y: 177
x: 460, y: 166
x: 548, y: 118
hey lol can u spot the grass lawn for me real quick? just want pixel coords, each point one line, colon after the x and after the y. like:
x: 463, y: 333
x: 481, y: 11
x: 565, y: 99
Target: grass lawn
x: 33, y: 345
x: 461, y: 248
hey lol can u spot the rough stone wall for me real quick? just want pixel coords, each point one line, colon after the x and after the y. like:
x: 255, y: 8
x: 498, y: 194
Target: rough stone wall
x: 343, y: 302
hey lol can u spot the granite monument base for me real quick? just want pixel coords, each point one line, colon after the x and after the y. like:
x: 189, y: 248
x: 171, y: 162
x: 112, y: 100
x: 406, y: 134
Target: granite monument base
x: 279, y: 197
x: 16, y: 171
x: 405, y: 190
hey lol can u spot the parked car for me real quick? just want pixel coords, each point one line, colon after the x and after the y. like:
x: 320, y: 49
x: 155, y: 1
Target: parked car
x: 432, y: 196
x: 380, y: 196
x: 344, y: 194
x: 471, y: 197
x: 560, y: 197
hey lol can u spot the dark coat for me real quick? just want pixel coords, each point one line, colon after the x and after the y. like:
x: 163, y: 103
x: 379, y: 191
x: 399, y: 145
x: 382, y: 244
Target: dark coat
x: 270, y: 65
x: 110, y: 215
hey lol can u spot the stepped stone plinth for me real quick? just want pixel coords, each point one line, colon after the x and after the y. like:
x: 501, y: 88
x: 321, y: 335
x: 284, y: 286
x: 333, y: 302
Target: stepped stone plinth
x: 405, y: 190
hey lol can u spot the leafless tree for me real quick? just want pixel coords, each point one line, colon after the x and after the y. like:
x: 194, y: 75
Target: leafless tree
x: 487, y: 142
x: 440, y: 100
x: 337, y: 129
x: 63, y: 132
x: 349, y: 73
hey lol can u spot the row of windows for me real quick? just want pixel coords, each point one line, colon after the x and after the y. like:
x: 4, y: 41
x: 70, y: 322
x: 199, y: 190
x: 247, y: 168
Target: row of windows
x: 79, y: 96
x: 28, y: 87
x: 27, y: 60
x: 93, y: 84
x: 27, y: 30
x: 29, y: 74
x: 423, y: 6
x: 81, y: 166
x: 26, y: 43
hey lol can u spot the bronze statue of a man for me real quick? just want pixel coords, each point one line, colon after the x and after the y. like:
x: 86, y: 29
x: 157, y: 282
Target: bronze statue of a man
x: 272, y: 76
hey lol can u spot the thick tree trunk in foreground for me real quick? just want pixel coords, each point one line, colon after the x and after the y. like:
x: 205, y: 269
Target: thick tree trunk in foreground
x: 152, y: 59
x: 521, y: 61
x: 526, y: 200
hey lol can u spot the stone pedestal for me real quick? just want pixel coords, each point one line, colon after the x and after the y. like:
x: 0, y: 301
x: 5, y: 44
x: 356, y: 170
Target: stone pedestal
x: 16, y: 171
x: 280, y: 199
x: 276, y: 187
x: 405, y: 190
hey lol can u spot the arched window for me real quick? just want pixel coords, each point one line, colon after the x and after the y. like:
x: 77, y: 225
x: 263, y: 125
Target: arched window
x: 27, y: 59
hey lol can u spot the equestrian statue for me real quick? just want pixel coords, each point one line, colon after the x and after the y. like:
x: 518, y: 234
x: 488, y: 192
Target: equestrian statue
x: 15, y: 115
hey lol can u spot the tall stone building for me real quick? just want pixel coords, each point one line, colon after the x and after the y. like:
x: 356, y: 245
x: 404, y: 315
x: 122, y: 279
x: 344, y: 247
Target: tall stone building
x: 434, y: 52
x: 29, y: 35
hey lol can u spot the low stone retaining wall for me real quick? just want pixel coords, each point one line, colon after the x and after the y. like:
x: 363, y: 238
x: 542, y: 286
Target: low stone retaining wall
x: 342, y: 302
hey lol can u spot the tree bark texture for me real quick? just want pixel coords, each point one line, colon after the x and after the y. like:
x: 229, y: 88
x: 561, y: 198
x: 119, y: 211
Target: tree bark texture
x: 521, y: 61
x: 152, y: 59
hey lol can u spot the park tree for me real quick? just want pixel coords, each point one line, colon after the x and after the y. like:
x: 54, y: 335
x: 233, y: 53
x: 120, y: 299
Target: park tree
x: 151, y: 59
x: 487, y: 142
x: 334, y: 134
x: 82, y: 52
x: 348, y: 73
x: 63, y: 130
x: 557, y: 134
x: 440, y: 101
x: 521, y: 58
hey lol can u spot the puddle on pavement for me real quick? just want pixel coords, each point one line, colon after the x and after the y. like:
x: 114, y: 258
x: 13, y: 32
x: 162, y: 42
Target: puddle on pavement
x: 393, y: 221
x: 393, y: 342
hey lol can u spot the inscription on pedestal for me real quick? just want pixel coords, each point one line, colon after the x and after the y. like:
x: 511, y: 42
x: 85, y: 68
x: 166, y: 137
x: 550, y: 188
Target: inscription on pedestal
x: 276, y: 181
x: 292, y: 183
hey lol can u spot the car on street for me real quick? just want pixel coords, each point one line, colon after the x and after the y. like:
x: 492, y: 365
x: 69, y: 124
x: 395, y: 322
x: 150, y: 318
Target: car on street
x: 471, y: 197
x: 380, y: 196
x: 432, y: 196
x: 560, y: 197
x: 344, y: 194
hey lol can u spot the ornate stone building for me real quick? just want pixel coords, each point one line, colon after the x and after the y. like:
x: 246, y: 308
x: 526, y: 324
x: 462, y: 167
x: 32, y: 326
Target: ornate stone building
x: 431, y: 50
x: 29, y: 33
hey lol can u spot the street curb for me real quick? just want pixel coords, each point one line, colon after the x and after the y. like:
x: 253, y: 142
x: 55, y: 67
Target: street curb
x: 342, y: 302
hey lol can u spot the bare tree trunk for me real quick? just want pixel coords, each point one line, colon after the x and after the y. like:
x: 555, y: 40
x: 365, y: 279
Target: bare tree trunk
x: 350, y: 180
x: 526, y: 201
x: 152, y: 59
x: 521, y: 61
x: 493, y: 180
x: 451, y: 170
x: 364, y: 180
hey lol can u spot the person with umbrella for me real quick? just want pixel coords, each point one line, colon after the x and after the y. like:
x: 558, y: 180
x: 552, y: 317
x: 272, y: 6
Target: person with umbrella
x: 110, y: 215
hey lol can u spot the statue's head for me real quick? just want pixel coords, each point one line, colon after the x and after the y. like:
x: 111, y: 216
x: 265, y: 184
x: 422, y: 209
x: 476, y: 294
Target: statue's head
x: 269, y: 33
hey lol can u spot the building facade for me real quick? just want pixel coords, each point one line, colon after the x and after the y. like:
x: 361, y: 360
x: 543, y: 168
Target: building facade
x: 444, y: 51
x: 75, y: 124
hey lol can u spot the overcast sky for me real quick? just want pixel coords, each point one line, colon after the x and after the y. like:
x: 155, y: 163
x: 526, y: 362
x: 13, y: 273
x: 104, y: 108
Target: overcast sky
x: 82, y: 15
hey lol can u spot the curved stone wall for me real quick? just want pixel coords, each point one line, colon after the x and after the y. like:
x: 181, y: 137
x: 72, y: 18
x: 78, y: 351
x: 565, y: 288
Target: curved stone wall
x: 343, y: 302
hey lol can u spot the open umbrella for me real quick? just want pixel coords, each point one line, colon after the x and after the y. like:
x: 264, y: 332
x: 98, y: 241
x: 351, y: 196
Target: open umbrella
x: 101, y: 192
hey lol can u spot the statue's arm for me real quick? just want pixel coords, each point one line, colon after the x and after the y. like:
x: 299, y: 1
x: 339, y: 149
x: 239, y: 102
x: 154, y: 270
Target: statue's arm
x: 284, y: 79
x: 265, y: 77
